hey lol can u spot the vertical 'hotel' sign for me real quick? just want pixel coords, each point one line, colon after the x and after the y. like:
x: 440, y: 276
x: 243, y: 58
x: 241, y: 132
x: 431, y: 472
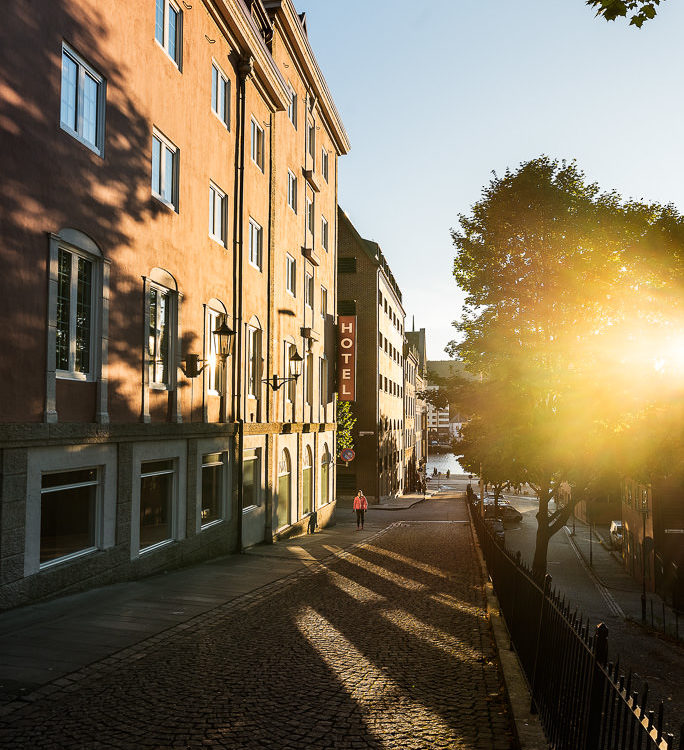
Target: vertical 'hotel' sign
x: 346, y: 358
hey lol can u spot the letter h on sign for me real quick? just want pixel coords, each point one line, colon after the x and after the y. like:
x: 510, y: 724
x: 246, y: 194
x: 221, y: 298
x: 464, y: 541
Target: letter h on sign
x: 346, y: 358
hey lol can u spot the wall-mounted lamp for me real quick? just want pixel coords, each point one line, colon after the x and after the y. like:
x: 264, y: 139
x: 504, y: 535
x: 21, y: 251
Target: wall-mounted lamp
x: 223, y: 340
x: 275, y: 382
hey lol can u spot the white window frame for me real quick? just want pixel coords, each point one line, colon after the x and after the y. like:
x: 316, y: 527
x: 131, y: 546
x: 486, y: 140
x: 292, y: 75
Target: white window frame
x: 254, y: 344
x: 291, y: 385
x: 83, y: 69
x: 256, y: 244
x: 290, y: 275
x: 70, y: 458
x: 215, y: 371
x: 292, y: 107
x: 164, y: 450
x: 164, y: 43
x: 324, y: 301
x: 254, y: 454
x: 311, y: 142
x: 292, y: 190
x: 218, y: 199
x: 308, y: 289
x: 95, y: 300
x: 223, y: 447
x: 172, y: 324
x: 309, y: 379
x: 165, y: 145
x: 309, y: 214
x: 324, y: 233
x: 324, y: 163
x: 220, y: 92
x: 323, y: 381
x: 258, y: 146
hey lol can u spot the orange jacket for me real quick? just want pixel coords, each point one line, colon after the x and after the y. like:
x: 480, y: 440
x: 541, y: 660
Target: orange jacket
x: 360, y: 503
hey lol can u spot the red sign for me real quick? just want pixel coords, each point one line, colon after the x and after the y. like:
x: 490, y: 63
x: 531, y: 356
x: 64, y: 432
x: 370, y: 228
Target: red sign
x: 346, y: 358
x: 347, y: 454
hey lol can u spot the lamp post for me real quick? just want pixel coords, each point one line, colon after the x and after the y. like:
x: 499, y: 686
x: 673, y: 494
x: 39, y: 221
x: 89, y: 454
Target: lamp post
x: 644, y: 513
x: 295, y: 370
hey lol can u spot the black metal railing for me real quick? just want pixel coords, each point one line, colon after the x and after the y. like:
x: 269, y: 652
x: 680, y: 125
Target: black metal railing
x: 584, y: 702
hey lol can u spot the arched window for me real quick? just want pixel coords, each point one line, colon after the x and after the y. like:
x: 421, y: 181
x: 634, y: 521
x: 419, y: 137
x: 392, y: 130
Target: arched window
x: 307, y: 481
x: 216, y: 314
x: 325, y: 475
x: 284, y: 488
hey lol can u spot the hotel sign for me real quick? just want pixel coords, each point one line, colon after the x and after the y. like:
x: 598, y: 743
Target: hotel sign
x: 346, y: 358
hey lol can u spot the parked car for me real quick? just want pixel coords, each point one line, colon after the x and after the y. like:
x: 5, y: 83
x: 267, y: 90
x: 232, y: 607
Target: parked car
x: 497, y: 528
x: 615, y: 533
x: 506, y: 513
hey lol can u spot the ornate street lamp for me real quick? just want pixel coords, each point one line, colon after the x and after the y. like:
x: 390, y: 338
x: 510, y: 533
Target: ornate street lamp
x: 295, y: 370
x: 223, y: 338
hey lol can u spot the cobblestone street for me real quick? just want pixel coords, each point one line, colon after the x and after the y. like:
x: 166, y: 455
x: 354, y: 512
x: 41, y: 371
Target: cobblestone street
x: 386, y: 645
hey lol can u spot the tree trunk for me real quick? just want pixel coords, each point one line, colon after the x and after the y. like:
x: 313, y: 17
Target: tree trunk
x: 542, y: 543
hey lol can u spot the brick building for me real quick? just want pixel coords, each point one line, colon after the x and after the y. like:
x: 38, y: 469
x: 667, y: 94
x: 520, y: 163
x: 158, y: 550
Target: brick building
x: 367, y: 289
x: 160, y: 178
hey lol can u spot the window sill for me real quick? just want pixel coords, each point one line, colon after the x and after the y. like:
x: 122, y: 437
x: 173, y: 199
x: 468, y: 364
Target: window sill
x: 218, y: 117
x: 75, y: 377
x: 164, y: 202
x: 67, y: 558
x: 218, y: 240
x: 160, y: 387
x: 176, y: 65
x: 250, y: 509
x: 154, y: 547
x: 255, y: 267
x: 97, y: 150
x: 211, y: 524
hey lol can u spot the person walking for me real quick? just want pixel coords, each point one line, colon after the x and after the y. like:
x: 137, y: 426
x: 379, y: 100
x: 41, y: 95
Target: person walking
x: 360, y: 506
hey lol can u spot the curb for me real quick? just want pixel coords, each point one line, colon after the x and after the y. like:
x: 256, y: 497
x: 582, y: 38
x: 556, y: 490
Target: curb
x: 528, y: 728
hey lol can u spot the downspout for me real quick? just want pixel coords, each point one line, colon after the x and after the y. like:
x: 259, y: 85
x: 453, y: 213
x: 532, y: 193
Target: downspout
x: 245, y: 67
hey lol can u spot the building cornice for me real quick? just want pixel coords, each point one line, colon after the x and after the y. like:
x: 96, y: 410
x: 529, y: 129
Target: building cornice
x: 285, y: 12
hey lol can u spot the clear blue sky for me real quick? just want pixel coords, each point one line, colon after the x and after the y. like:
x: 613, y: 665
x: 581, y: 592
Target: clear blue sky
x: 437, y: 94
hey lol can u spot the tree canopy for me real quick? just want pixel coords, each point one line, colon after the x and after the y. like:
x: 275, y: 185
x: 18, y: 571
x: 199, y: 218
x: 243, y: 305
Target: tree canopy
x: 638, y: 11
x: 573, y: 325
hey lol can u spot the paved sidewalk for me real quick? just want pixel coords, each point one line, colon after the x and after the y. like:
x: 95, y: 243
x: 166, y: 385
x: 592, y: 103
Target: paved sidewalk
x: 385, y: 644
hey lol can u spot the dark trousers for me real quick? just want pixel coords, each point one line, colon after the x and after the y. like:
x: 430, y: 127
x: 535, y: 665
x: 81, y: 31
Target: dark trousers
x: 359, y: 518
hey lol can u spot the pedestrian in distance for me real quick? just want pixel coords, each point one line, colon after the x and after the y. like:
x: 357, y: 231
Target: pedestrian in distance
x: 360, y: 506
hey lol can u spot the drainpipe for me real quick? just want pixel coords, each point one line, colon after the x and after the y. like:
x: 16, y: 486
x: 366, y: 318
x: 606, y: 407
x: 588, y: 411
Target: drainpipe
x: 245, y: 67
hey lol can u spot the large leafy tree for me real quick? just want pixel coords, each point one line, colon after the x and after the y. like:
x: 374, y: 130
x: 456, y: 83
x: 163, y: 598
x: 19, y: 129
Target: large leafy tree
x: 564, y: 284
x: 638, y: 11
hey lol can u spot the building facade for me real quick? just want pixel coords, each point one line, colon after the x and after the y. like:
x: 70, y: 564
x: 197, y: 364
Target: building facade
x: 149, y: 200
x: 411, y: 476
x: 367, y: 289
x: 416, y: 340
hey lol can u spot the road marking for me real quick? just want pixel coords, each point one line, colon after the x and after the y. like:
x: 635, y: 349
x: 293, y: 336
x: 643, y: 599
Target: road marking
x: 608, y: 598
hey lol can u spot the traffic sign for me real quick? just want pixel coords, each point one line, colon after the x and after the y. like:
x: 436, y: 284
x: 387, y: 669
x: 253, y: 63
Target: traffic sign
x: 347, y: 454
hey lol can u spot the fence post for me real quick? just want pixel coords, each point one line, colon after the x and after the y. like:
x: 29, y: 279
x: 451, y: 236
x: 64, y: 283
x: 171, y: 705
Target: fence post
x: 545, y: 593
x: 595, y: 700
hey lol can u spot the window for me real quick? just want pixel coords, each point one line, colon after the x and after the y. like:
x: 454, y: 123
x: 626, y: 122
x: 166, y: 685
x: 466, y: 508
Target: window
x: 168, y: 29
x: 307, y: 482
x: 323, y: 385
x: 325, y: 474
x: 310, y: 215
x: 156, y: 498
x: 215, y: 372
x: 291, y: 191
x: 251, y: 478
x: 311, y: 143
x: 324, y: 233
x: 253, y: 362
x: 220, y: 94
x: 82, y: 101
x: 68, y: 509
x: 291, y: 275
x: 284, y: 488
x: 290, y: 386
x: 324, y: 164
x: 324, y: 302
x: 255, y: 244
x: 308, y: 385
x: 164, y: 170
x: 346, y: 265
x: 75, y: 316
x: 308, y: 289
x: 161, y: 336
x: 257, y: 144
x: 292, y: 108
x: 213, y: 483
x: 218, y: 214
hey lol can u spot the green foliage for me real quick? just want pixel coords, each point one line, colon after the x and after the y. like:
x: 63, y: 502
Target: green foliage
x: 345, y: 425
x: 638, y: 11
x: 437, y: 397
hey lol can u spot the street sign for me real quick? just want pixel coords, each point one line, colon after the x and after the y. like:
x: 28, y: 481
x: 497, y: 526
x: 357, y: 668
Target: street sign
x: 347, y: 454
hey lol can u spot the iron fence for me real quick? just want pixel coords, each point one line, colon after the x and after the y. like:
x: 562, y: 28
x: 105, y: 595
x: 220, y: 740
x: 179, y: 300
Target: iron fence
x: 584, y: 702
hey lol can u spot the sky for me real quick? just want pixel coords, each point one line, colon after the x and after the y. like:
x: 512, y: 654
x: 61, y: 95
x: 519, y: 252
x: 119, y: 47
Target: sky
x: 436, y: 95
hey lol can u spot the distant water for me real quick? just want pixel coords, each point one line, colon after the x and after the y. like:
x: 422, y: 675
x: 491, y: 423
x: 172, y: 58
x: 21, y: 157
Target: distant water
x: 444, y: 461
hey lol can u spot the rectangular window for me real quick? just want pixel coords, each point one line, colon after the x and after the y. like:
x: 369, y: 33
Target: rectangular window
x: 159, y: 335
x: 324, y: 302
x: 251, y: 478
x: 291, y: 275
x: 218, y: 213
x: 291, y: 191
x: 292, y: 108
x: 220, y: 95
x: 310, y: 215
x: 290, y: 387
x: 215, y: 374
x: 68, y: 508
x: 257, y: 144
x: 255, y: 244
x: 308, y: 390
x: 323, y: 385
x: 311, y: 143
x: 156, y: 498
x: 168, y: 28
x: 82, y: 101
x: 253, y: 362
x: 324, y: 233
x: 213, y: 474
x: 74, y: 325
x: 308, y: 289
x: 324, y: 164
x: 164, y: 170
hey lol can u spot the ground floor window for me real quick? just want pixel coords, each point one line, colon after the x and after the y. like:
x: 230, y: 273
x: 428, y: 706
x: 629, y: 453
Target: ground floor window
x: 325, y: 475
x: 251, y: 478
x: 307, y: 482
x: 156, y: 502
x: 284, y: 488
x: 68, y: 508
x: 213, y: 483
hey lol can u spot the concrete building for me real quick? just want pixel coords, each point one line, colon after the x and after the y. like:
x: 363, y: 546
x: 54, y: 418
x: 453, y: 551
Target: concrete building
x: 367, y: 289
x: 161, y: 177
x: 416, y: 340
